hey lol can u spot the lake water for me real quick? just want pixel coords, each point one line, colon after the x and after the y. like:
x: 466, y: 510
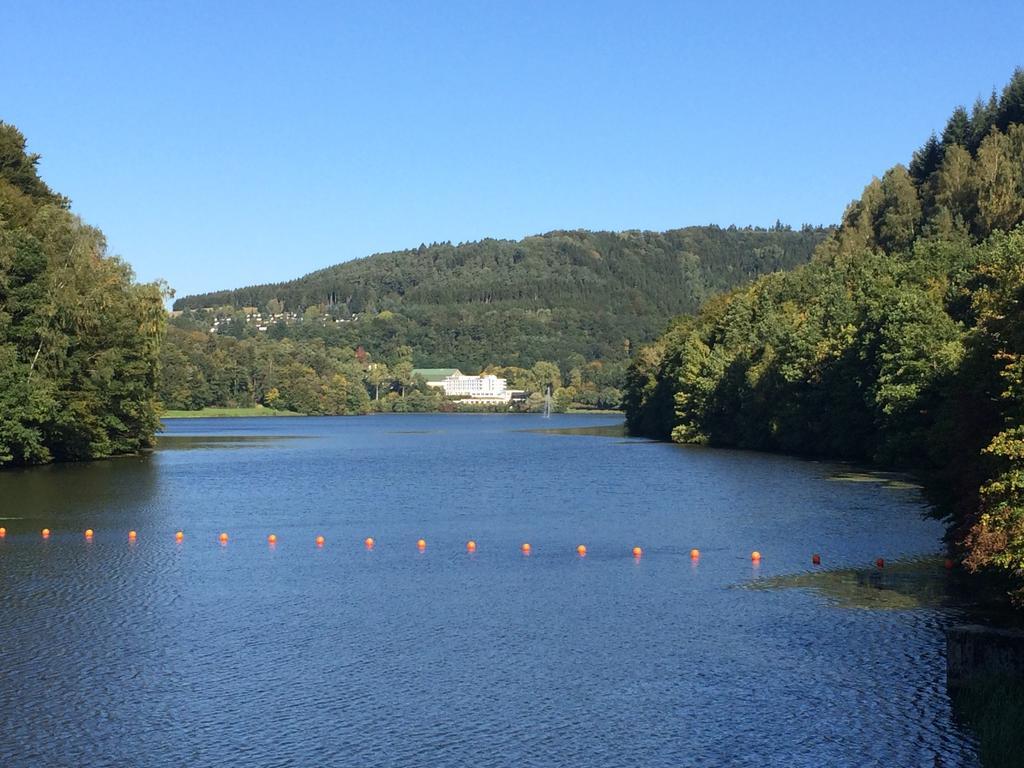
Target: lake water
x: 160, y: 653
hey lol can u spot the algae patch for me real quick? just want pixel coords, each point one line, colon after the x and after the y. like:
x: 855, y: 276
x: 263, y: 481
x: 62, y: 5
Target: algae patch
x: 900, y: 586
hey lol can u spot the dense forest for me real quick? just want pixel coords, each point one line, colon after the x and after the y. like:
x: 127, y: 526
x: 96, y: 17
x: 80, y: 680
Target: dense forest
x: 79, y: 339
x: 900, y: 343
x: 561, y: 296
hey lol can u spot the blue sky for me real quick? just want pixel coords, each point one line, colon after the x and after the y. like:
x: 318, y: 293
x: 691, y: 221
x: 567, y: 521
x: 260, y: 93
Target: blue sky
x: 221, y: 144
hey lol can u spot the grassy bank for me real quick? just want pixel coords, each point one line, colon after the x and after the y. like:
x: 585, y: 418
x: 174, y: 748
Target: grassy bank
x: 218, y: 413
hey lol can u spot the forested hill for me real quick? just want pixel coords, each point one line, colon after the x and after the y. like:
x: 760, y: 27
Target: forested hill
x: 902, y: 342
x: 544, y: 297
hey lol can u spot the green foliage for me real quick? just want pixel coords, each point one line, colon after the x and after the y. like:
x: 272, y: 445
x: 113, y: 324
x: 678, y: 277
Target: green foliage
x: 901, y: 342
x: 203, y: 370
x: 593, y: 295
x: 79, y: 338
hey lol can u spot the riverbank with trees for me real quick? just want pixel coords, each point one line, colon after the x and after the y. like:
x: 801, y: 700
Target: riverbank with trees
x: 79, y: 338
x: 901, y: 343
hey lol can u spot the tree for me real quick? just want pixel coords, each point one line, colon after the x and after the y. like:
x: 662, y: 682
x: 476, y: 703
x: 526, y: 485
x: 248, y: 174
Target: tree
x: 899, y: 216
x: 401, y: 369
x: 377, y: 374
x: 546, y: 375
x: 999, y: 183
x: 926, y: 160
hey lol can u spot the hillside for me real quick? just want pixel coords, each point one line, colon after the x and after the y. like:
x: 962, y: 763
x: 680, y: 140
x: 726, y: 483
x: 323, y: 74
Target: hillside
x: 902, y: 342
x: 549, y: 297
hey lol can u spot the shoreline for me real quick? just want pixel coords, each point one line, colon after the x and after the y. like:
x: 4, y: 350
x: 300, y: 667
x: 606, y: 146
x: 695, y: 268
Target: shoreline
x: 245, y: 413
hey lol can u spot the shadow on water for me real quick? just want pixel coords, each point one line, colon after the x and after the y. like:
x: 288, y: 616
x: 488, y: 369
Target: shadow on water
x: 218, y: 442
x: 63, y: 495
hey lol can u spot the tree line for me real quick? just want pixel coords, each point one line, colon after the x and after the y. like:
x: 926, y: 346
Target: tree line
x: 900, y: 343
x: 202, y: 369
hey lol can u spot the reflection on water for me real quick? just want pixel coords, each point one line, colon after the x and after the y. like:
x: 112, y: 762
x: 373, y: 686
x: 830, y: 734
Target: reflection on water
x: 593, y: 430
x: 161, y: 653
x: 59, y: 496
x: 222, y: 442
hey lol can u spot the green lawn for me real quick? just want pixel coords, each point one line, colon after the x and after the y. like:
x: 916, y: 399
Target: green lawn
x: 217, y: 413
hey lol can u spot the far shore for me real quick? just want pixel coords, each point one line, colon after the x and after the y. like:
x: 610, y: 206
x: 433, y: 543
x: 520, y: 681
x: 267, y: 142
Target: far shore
x: 260, y: 411
x: 220, y: 413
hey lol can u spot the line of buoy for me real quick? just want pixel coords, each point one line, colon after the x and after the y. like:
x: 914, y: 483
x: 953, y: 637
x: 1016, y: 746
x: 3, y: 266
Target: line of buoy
x: 471, y: 546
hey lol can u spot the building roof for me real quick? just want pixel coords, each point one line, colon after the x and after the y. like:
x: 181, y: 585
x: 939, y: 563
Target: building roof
x: 436, y: 374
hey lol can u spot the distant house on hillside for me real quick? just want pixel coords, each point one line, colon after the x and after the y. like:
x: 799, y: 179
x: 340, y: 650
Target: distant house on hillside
x: 485, y: 388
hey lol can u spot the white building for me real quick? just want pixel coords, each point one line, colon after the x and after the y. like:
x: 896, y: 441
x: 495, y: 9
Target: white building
x: 485, y: 388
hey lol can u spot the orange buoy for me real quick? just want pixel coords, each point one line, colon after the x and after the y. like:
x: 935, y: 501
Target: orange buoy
x: 755, y: 556
x: 272, y: 538
x: 637, y: 552
x: 223, y: 538
x: 525, y: 548
x: 180, y: 535
x: 88, y: 533
x: 369, y: 542
x: 694, y: 554
x: 471, y: 546
x: 421, y: 544
x: 3, y: 532
x: 948, y: 563
x: 132, y: 535
x: 319, y: 541
x: 46, y: 533
x: 880, y: 562
x: 581, y: 550
x: 815, y: 559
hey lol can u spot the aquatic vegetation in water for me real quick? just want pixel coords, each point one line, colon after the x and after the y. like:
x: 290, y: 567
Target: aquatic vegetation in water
x: 894, y: 480
x: 900, y: 586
